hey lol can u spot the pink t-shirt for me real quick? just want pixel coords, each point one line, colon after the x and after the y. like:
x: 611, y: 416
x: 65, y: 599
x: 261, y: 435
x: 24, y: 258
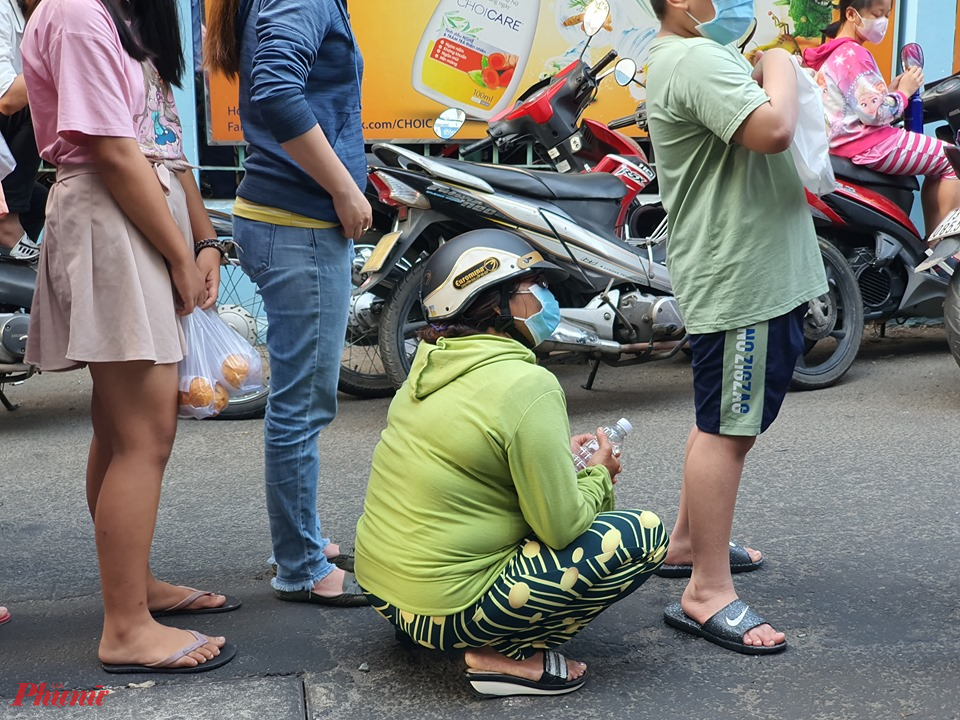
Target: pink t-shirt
x: 81, y: 83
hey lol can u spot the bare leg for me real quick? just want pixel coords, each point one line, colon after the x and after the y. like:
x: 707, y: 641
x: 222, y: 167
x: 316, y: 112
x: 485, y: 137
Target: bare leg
x: 711, y: 480
x: 938, y: 198
x: 489, y: 660
x: 680, y: 551
x: 10, y: 230
x: 136, y: 405
x: 160, y: 595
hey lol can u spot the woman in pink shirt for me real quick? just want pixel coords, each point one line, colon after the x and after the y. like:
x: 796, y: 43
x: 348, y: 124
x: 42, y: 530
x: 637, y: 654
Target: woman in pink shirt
x: 117, y: 265
x: 861, y: 109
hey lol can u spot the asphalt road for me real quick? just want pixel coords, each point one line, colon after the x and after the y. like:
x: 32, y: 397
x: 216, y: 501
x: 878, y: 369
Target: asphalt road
x: 852, y: 495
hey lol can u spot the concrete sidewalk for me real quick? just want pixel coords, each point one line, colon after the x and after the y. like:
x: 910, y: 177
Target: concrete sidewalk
x: 852, y: 495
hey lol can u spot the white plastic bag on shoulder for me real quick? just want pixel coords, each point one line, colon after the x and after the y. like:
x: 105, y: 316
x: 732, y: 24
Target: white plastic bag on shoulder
x: 811, y: 148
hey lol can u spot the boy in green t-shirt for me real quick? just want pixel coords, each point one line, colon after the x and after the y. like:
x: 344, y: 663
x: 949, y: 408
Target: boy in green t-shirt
x: 744, y: 261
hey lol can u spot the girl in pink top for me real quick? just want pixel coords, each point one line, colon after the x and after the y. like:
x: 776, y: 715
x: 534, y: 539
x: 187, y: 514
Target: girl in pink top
x: 117, y: 264
x: 861, y: 109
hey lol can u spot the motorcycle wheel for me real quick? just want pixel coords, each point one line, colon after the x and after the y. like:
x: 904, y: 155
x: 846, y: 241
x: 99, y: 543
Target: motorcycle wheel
x: 362, y: 372
x: 833, y: 326
x: 951, y: 316
x: 241, y: 307
x: 401, y: 320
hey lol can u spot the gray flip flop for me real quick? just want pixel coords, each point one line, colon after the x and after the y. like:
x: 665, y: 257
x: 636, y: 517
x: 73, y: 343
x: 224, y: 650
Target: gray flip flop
x: 726, y: 628
x: 740, y: 562
x: 181, y: 608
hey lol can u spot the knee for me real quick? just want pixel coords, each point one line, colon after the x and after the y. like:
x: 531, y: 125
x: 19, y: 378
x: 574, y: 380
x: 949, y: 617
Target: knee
x: 153, y: 447
x: 644, y: 531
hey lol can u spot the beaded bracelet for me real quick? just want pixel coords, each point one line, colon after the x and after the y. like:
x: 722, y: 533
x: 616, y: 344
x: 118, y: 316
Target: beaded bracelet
x: 212, y: 243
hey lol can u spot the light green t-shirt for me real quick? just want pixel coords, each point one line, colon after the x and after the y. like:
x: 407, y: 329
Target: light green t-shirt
x: 742, y: 246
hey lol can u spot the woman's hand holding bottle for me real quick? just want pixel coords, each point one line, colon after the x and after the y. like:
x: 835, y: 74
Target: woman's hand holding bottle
x: 605, y: 456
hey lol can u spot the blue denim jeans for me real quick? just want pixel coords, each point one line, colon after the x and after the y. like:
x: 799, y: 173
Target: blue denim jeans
x: 304, y: 278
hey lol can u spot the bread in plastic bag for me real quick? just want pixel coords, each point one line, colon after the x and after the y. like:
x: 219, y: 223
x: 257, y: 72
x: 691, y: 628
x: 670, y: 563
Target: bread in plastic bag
x: 219, y: 364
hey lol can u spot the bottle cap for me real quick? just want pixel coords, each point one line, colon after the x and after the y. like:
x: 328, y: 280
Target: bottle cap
x: 625, y: 424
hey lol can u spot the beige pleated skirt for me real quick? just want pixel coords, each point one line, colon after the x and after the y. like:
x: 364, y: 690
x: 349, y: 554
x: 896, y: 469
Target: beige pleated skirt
x: 103, y: 292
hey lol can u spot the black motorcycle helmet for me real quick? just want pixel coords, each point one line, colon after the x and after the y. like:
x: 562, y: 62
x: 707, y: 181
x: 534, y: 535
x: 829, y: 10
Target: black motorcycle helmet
x: 464, y: 267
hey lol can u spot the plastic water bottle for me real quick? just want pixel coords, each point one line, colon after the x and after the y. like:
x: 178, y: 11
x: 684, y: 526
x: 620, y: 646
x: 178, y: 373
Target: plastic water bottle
x: 617, y: 434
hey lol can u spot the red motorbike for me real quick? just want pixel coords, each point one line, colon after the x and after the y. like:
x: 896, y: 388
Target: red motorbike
x: 867, y: 218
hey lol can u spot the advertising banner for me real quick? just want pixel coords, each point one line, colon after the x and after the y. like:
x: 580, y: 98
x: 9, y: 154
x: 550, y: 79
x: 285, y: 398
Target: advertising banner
x: 422, y: 56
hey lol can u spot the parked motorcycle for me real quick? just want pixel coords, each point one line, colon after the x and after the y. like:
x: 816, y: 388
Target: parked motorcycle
x: 867, y: 218
x: 17, y: 280
x: 951, y: 316
x: 944, y: 258
x: 361, y: 370
x: 238, y: 304
x: 617, y: 305
x: 549, y: 116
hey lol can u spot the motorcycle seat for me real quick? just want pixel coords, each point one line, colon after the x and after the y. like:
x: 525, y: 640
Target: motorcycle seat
x: 898, y: 188
x: 842, y: 167
x: 544, y: 184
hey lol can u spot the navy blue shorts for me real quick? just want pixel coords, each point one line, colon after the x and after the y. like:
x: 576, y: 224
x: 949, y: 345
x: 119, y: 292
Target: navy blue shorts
x: 740, y: 377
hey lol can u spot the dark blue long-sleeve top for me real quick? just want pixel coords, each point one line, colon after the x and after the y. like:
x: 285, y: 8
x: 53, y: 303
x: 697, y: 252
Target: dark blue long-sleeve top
x: 299, y: 66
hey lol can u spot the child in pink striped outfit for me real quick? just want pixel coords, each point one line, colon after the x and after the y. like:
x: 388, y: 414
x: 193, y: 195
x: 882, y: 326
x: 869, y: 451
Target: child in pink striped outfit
x: 861, y: 108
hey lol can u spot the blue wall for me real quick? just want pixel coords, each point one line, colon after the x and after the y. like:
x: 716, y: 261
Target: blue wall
x: 934, y: 28
x: 186, y: 97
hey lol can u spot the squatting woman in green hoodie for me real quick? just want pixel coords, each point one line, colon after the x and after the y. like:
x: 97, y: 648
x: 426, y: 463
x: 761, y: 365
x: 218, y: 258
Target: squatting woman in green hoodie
x: 478, y: 533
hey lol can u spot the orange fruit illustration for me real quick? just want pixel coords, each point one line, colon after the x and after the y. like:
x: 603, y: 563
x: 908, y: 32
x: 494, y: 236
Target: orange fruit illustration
x: 491, y: 78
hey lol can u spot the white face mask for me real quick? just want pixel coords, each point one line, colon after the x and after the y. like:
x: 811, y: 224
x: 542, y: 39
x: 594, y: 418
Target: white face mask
x: 873, y: 30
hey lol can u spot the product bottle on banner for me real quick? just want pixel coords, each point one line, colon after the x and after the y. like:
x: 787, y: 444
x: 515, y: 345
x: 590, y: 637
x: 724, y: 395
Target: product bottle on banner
x: 473, y: 53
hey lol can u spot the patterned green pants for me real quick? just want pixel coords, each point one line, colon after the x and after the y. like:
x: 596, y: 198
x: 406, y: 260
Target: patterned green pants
x: 544, y: 596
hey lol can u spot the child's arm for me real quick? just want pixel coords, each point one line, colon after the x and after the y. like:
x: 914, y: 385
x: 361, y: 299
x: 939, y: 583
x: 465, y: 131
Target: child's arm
x: 770, y: 128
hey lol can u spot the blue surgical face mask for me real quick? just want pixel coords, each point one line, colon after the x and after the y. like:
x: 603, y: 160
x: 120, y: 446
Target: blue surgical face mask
x: 541, y: 325
x: 732, y: 20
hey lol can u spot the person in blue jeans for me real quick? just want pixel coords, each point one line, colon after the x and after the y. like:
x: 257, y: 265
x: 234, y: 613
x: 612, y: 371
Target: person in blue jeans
x: 298, y: 209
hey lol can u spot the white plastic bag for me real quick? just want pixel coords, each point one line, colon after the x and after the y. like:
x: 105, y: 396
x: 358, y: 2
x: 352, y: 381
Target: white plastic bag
x: 7, y: 163
x: 811, y: 148
x: 219, y: 364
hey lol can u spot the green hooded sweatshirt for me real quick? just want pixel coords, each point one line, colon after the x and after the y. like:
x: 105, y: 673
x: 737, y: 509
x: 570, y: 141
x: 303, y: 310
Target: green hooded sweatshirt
x: 475, y: 457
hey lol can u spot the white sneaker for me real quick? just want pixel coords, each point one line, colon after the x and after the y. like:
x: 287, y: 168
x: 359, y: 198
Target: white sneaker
x: 26, y: 250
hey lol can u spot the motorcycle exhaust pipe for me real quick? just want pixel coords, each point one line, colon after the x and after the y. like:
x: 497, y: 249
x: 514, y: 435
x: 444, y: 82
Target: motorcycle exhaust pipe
x: 571, y: 338
x: 14, y: 369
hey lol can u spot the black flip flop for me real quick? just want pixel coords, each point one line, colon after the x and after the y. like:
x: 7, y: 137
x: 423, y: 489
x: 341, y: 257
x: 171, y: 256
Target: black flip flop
x: 553, y: 681
x: 726, y: 628
x: 352, y: 595
x: 740, y: 562
x: 181, y: 607
x: 227, y: 653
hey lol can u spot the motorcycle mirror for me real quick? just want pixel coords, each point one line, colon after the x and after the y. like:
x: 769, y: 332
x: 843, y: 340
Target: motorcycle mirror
x: 911, y: 56
x: 595, y: 16
x: 625, y: 71
x: 449, y: 123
